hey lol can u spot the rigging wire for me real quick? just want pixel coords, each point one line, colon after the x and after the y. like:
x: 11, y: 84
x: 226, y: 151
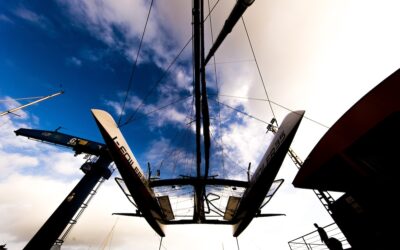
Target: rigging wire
x: 210, y: 11
x: 232, y: 62
x: 277, y: 104
x: 162, y: 107
x: 156, y: 84
x: 242, y: 112
x: 23, y: 98
x: 135, y: 64
x: 229, y: 158
x: 164, y: 73
x: 222, y: 153
x: 175, y: 153
x: 178, y: 155
x: 216, y: 78
x: 109, y: 236
x: 181, y: 141
x: 258, y: 68
x: 161, y: 78
x: 192, y: 163
x: 160, y: 243
x: 187, y: 143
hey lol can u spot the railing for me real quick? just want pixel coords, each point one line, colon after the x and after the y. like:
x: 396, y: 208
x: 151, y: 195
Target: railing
x: 312, y: 241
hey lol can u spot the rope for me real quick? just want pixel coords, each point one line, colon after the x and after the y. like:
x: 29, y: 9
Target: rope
x: 258, y: 68
x: 135, y: 64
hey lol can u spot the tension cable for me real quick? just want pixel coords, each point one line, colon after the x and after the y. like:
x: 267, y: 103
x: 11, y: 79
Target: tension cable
x: 135, y: 64
x: 277, y: 104
x: 258, y: 68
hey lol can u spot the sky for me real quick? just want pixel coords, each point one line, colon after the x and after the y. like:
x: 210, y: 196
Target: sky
x: 318, y: 56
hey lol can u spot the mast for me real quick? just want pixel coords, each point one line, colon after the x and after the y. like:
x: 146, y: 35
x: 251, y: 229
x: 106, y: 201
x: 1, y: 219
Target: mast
x: 204, y: 100
x: 198, y: 214
x: 200, y: 92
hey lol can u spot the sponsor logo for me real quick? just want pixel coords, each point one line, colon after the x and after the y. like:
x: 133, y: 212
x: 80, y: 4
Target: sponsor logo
x: 276, y: 145
x: 278, y: 142
x: 130, y: 160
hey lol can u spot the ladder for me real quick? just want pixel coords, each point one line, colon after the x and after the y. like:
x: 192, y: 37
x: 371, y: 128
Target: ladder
x: 324, y: 196
x: 60, y: 241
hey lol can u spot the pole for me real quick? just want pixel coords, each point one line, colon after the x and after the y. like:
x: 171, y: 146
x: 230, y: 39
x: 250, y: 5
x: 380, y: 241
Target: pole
x: 31, y: 103
x: 198, y: 214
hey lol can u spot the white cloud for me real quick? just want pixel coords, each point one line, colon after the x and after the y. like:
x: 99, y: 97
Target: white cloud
x: 36, y: 195
x: 120, y: 26
x: 183, y: 80
x: 9, y: 103
x: 167, y: 156
x: 28, y: 15
x: 170, y: 116
x: 247, y: 141
x: 62, y: 163
x: 5, y: 18
x: 16, y: 161
x: 34, y: 18
x: 116, y: 106
x: 74, y: 61
x: 135, y: 108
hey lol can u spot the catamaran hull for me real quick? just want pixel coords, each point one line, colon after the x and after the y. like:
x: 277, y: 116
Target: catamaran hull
x: 130, y: 170
x: 266, y: 172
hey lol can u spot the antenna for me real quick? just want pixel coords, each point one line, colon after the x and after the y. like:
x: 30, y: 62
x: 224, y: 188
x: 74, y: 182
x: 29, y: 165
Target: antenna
x: 11, y: 111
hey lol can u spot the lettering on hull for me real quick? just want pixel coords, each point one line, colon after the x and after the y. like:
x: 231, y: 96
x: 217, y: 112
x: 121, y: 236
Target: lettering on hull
x: 131, y: 162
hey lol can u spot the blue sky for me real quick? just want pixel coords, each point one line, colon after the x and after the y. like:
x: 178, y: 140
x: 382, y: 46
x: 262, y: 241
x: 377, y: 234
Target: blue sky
x: 47, y: 47
x: 321, y: 56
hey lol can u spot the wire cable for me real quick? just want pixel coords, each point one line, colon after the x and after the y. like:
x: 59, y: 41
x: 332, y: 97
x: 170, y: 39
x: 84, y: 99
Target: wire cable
x: 161, y: 78
x: 210, y: 11
x: 258, y: 68
x: 108, y: 239
x: 277, y: 104
x: 162, y: 107
x: 160, y: 243
x: 216, y: 76
x: 242, y: 112
x: 156, y: 84
x: 23, y: 98
x: 135, y: 64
